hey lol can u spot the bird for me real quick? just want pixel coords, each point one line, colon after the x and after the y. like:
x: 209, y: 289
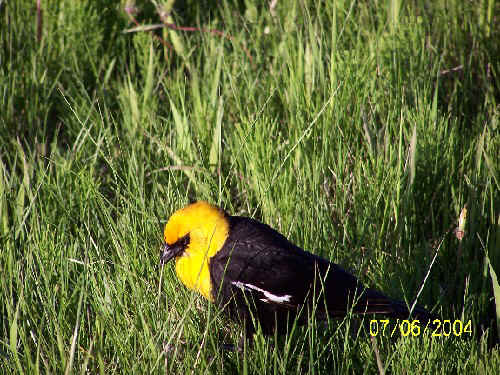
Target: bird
x: 259, y: 278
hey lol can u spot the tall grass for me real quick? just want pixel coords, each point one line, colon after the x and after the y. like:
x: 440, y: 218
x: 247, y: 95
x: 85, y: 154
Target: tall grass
x: 363, y: 131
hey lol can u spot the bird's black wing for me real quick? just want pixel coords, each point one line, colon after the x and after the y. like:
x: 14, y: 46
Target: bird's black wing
x: 259, y: 267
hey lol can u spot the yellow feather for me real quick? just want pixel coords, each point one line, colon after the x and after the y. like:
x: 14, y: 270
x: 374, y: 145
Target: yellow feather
x: 208, y: 229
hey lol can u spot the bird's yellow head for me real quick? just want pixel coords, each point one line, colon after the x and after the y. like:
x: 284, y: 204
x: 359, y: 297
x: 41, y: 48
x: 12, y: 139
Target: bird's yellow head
x: 192, y: 236
x: 198, y: 228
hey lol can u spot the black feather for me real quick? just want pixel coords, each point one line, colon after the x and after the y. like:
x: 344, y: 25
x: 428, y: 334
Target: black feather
x: 259, y: 273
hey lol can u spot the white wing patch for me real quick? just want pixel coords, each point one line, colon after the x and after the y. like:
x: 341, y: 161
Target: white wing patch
x: 269, y: 297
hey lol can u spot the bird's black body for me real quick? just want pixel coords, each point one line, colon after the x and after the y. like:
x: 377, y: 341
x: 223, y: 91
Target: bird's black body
x: 259, y: 273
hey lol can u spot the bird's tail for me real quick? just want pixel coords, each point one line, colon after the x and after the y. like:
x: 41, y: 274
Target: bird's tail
x: 374, y: 302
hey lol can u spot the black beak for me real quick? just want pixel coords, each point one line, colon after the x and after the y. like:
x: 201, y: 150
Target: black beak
x: 171, y: 251
x: 168, y: 252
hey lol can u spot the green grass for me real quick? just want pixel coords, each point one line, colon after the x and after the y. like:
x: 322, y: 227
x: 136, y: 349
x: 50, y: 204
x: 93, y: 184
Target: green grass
x: 358, y: 129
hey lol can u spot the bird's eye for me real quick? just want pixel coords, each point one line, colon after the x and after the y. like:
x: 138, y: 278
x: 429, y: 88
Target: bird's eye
x: 183, y: 241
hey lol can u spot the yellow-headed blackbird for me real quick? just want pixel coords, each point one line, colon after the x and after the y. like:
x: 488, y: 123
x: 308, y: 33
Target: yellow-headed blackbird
x: 250, y: 269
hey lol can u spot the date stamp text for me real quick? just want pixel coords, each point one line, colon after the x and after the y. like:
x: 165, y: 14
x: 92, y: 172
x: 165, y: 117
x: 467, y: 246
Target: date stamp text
x: 414, y: 328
